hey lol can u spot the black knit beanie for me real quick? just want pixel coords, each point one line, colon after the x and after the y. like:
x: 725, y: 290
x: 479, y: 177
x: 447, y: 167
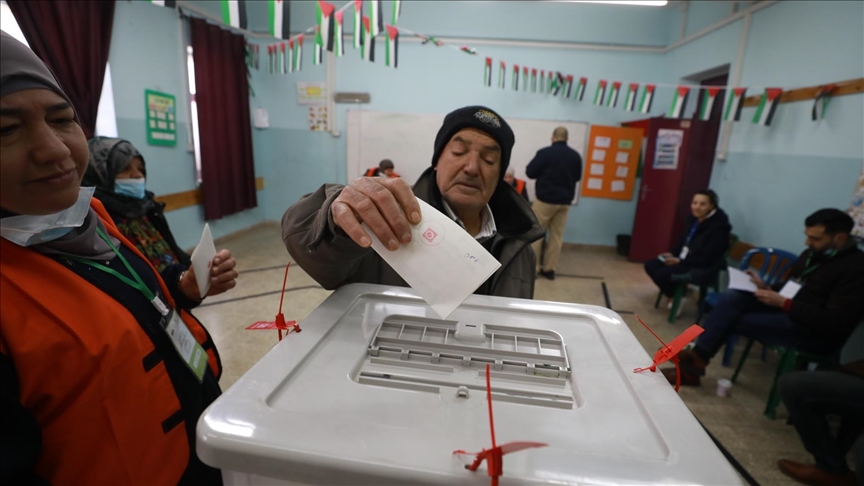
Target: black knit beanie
x: 483, y: 119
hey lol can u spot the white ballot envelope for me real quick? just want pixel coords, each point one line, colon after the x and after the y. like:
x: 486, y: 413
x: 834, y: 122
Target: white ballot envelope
x: 443, y: 263
x: 202, y: 258
x: 739, y: 280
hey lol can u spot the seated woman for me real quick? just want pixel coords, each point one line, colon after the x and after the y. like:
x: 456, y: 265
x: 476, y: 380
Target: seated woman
x: 700, y: 249
x: 118, y: 172
x: 102, y: 377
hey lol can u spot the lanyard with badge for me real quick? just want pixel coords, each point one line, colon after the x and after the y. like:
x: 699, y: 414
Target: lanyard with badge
x: 686, y: 249
x: 793, y: 285
x: 188, y: 348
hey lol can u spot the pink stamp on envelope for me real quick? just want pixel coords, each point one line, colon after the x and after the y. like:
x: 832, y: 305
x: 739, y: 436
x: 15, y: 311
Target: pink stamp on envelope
x: 431, y: 233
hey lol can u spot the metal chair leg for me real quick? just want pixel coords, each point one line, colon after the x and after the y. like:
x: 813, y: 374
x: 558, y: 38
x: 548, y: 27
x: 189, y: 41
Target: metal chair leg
x: 743, y: 358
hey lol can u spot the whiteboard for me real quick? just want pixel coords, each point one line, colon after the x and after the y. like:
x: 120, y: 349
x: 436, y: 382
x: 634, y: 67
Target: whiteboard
x: 408, y: 140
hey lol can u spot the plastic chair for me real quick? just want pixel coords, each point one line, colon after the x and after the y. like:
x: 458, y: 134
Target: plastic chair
x: 706, y: 279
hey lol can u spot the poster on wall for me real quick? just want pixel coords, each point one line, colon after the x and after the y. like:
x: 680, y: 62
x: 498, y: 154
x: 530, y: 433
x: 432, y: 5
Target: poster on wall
x: 856, y: 209
x: 312, y: 93
x: 668, y: 148
x: 161, y: 111
x: 610, y: 171
x: 318, y: 119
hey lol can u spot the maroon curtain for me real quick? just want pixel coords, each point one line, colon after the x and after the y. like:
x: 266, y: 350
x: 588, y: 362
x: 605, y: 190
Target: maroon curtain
x: 72, y: 37
x: 224, y: 128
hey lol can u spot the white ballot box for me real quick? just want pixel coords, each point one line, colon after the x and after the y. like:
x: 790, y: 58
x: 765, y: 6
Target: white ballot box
x: 377, y: 390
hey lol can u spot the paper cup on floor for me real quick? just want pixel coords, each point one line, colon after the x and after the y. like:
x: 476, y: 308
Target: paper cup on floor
x: 724, y: 386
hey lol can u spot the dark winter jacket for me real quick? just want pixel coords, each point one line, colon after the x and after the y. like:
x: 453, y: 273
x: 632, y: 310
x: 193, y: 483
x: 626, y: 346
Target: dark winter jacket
x: 708, y: 243
x: 557, y: 168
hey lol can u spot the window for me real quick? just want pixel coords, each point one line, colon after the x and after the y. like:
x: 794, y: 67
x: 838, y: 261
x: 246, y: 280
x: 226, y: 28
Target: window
x: 193, y: 108
x: 106, y: 118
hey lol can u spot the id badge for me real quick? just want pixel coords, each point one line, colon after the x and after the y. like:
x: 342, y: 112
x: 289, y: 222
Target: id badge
x: 790, y: 289
x: 684, y: 252
x: 186, y: 345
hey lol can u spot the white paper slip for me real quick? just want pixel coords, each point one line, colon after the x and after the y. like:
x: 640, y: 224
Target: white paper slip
x: 598, y: 155
x: 621, y: 172
x: 622, y: 157
x: 790, y: 289
x: 739, y: 280
x: 617, y: 186
x: 202, y: 258
x: 595, y: 183
x: 603, y: 142
x: 597, y: 169
x: 443, y: 263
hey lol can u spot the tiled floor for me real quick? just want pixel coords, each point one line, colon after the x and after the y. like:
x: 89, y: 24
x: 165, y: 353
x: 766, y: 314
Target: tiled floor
x: 736, y: 421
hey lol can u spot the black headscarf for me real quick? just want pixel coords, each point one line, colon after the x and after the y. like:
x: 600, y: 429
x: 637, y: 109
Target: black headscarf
x: 109, y: 157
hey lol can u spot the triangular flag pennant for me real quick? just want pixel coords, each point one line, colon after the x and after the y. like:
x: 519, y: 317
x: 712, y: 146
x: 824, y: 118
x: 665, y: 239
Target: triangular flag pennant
x: 630, y: 101
x: 734, y: 104
x: 298, y: 53
x: 600, y: 92
x: 569, y: 86
x: 612, y: 102
x: 524, y: 79
x: 501, y: 73
x: 324, y: 33
x: 279, y: 15
x: 282, y: 60
x: 338, y: 44
x: 368, y: 48
x: 487, y: 72
x: 358, y: 24
x: 234, y: 13
x: 164, y: 3
x: 397, y: 10
x: 376, y: 17
x: 391, y: 55
x: 542, y: 80
x: 767, y: 106
x: 679, y: 102
x: 515, y: 82
x: 580, y: 90
x: 647, y: 98
x: 533, y: 80
x: 289, y: 56
x: 318, y: 50
x: 708, y: 96
x: 820, y: 104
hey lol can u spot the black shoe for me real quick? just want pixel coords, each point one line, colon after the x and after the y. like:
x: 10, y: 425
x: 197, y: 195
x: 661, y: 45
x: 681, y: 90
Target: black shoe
x: 550, y: 274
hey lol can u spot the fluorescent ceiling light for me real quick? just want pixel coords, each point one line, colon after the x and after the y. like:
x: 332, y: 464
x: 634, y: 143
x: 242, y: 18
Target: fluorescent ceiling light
x: 643, y: 3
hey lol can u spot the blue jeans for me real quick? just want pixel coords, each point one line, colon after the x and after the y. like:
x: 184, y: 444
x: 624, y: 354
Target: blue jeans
x: 741, y: 313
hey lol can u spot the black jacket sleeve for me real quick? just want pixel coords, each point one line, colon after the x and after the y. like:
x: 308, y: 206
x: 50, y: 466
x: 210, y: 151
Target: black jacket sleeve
x: 843, y: 309
x: 536, y: 166
x: 20, y: 434
x: 713, y: 247
x: 171, y: 276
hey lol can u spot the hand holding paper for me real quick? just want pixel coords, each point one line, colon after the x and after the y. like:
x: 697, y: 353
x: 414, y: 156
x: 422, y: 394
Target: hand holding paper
x: 739, y: 280
x: 384, y: 205
x: 202, y: 258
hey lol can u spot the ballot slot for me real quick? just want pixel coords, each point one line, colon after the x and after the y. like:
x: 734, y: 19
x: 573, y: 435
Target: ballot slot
x: 530, y: 366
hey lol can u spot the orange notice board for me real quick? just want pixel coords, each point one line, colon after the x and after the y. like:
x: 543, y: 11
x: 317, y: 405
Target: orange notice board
x: 609, y: 167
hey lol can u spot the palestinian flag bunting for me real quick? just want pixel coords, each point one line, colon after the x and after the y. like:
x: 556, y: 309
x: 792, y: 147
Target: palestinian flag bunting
x: 709, y: 95
x: 580, y: 89
x: 269, y: 59
x: 234, y: 13
x: 279, y: 15
x: 612, y: 102
x: 391, y: 53
x: 533, y: 80
x: 376, y: 17
x: 319, y: 52
x: 569, y: 88
x: 468, y: 50
x: 397, y: 10
x: 679, y: 102
x: 734, y: 104
x: 647, y: 98
x: 515, y: 82
x: 487, y: 72
x: 630, y: 100
x: 368, y: 48
x: 558, y: 82
x: 524, y: 79
x: 164, y: 3
x: 338, y: 44
x: 767, y: 106
x: 289, y: 57
x: 549, y: 77
x: 542, y: 80
x: 502, y: 71
x: 600, y: 92
x: 358, y: 24
x: 820, y: 103
x: 297, y: 52
x: 283, y: 65
x: 324, y: 31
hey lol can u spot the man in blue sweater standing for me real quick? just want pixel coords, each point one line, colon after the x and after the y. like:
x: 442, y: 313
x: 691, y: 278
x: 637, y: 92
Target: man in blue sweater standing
x: 557, y: 168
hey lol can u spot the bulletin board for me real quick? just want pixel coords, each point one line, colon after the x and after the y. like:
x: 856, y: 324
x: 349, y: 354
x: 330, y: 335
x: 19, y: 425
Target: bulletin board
x: 611, y: 162
x: 160, y: 110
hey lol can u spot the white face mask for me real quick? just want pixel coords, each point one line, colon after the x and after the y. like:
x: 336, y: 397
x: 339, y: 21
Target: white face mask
x: 28, y: 230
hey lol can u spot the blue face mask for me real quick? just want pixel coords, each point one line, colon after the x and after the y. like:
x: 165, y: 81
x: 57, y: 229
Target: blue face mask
x: 28, y: 230
x: 130, y: 187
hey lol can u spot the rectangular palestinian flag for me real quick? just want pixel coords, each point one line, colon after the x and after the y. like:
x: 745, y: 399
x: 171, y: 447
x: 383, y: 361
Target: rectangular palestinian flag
x: 679, y: 101
x: 282, y: 60
x: 515, y: 82
x: 524, y: 79
x: 318, y: 53
x: 767, y: 106
x: 468, y: 50
x: 708, y: 96
x: 569, y: 89
x: 549, y: 77
x: 820, y: 103
x: 630, y: 100
x: 368, y: 48
x: 338, y: 44
x: 542, y: 80
x: 297, y: 53
x: 324, y: 32
x: 164, y: 3
x: 558, y: 82
x: 391, y: 54
x: 487, y: 72
x: 533, y: 80
x: 734, y: 104
x: 358, y: 24
x: 279, y: 15
x: 397, y: 10
x: 612, y: 102
x: 580, y: 90
x: 502, y: 71
x: 289, y: 56
x: 376, y: 17
x: 600, y: 92
x: 234, y: 13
